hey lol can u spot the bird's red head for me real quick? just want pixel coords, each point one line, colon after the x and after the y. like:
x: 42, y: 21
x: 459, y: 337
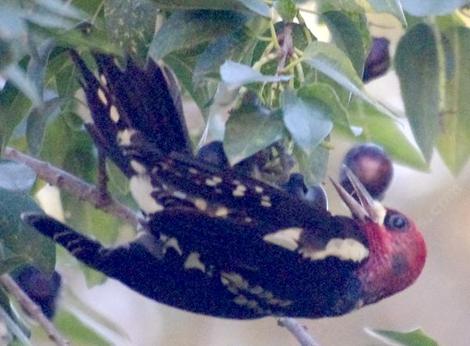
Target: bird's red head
x: 397, y: 251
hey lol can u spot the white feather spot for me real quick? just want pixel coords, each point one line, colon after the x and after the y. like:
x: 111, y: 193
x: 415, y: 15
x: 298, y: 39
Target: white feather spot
x: 214, y: 181
x: 200, y: 204
x: 287, y: 238
x: 124, y: 137
x: 138, y: 167
x: 103, y: 79
x: 193, y: 170
x: 170, y: 243
x: 239, y: 191
x: 114, y: 114
x: 345, y: 249
x: 102, y: 97
x: 180, y: 194
x: 193, y: 261
x: 266, y: 204
x: 240, y: 300
x: 221, y: 212
x: 141, y: 190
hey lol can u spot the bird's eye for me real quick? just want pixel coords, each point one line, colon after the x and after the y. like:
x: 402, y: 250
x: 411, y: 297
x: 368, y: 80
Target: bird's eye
x: 396, y: 222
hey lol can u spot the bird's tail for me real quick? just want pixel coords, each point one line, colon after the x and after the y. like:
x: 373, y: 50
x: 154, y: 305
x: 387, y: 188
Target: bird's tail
x: 83, y: 248
x: 133, y: 109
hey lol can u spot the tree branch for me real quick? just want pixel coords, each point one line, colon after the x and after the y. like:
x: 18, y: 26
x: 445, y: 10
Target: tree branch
x: 75, y: 186
x: 298, y: 331
x: 33, y: 310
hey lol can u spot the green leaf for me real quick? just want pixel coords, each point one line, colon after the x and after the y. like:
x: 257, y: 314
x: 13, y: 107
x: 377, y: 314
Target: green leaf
x: 61, y: 9
x: 393, y: 7
x: 233, y: 46
x: 18, y: 77
x: 38, y: 63
x: 94, y: 40
x: 16, y: 176
x: 331, y: 61
x: 235, y: 75
x: 432, y: 7
x: 286, y: 9
x: 352, y: 37
x: 183, y: 67
x: 256, y: 6
x: 413, y: 338
x: 313, y: 165
x: 454, y: 138
x: 340, y: 5
x: 306, y: 117
x: 379, y: 128
x: 37, y: 120
x: 14, y: 106
x: 131, y: 24
x: 187, y: 29
x: 19, y: 239
x: 324, y: 94
x: 7, y: 55
x: 417, y: 66
x: 251, y: 128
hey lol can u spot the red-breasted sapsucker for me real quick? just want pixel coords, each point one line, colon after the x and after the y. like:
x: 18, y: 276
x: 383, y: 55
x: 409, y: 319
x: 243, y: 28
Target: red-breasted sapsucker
x: 217, y: 241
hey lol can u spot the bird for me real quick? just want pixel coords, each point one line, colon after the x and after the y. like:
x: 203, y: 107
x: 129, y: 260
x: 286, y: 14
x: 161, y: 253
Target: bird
x: 217, y: 241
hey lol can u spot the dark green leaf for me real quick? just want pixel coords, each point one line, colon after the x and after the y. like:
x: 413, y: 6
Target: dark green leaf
x: 251, y: 128
x: 256, y: 6
x: 95, y: 40
x: 454, y: 138
x: 17, y: 76
x: 7, y: 55
x: 235, y: 75
x: 183, y: 67
x: 16, y: 176
x: 331, y: 61
x: 37, y: 120
x: 17, y: 238
x: 431, y: 7
x: 306, y: 118
x: 38, y: 63
x: 187, y: 29
x: 313, y: 165
x: 14, y: 106
x: 230, y: 47
x: 414, y: 338
x: 131, y: 24
x: 349, y: 36
x: 286, y: 9
x: 324, y: 94
x: 60, y: 8
x: 417, y: 66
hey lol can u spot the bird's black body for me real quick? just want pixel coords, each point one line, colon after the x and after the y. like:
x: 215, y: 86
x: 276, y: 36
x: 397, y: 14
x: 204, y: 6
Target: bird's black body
x: 218, y: 242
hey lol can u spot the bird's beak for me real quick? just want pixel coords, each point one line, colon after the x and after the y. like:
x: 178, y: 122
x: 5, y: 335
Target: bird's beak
x: 367, y: 208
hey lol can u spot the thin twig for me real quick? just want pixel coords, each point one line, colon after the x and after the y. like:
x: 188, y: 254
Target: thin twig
x: 75, y: 186
x: 287, y: 46
x: 298, y: 331
x: 33, y: 310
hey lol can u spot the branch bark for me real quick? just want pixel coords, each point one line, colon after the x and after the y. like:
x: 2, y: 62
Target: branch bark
x: 33, y: 310
x: 75, y: 186
x: 298, y: 331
